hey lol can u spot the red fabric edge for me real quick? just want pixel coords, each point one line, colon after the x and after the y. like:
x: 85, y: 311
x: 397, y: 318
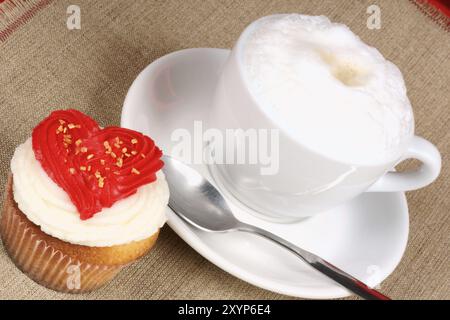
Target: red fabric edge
x: 23, y: 19
x: 435, y: 12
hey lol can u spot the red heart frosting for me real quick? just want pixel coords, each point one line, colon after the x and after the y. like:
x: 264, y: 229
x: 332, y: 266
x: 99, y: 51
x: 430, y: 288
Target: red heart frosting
x: 95, y: 166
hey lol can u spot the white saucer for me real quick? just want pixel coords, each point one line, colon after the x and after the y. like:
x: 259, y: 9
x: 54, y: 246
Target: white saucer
x: 365, y: 237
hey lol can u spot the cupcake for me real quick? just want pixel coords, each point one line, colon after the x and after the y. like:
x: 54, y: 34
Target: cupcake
x: 82, y: 202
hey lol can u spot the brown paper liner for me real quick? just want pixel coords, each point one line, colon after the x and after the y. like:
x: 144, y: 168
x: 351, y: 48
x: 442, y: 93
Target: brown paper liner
x: 59, y: 265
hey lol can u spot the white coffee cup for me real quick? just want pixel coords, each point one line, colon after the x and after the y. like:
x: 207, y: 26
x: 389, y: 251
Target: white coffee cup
x: 307, y: 181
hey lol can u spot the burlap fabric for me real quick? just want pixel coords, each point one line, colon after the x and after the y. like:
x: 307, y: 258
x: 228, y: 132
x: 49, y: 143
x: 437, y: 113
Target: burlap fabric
x: 44, y: 66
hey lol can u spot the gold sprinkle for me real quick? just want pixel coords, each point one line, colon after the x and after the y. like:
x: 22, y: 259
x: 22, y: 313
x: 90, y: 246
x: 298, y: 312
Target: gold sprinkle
x: 71, y: 125
x: 119, y: 162
x: 59, y: 130
x: 78, y: 142
x: 107, y: 168
x: 135, y: 171
x: 116, y: 173
x: 72, y: 170
x: 117, y: 145
x: 106, y: 144
x: 61, y: 121
x: 65, y: 129
x: 113, y: 155
x: 89, y: 168
x: 134, y: 141
x: 102, y: 161
x: 90, y: 156
x: 142, y: 155
x: 101, y: 182
x: 124, y: 150
x: 117, y: 139
x: 83, y: 168
x: 127, y: 155
x: 83, y: 149
x: 97, y: 174
x: 134, y: 152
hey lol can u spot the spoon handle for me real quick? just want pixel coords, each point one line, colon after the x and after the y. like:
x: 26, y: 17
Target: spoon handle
x: 326, y: 268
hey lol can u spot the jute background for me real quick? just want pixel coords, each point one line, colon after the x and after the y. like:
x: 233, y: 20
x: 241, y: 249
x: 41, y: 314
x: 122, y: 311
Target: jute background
x: 44, y: 66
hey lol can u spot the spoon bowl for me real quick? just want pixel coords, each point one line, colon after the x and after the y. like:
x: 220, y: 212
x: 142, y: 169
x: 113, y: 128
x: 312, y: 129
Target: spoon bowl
x: 201, y: 203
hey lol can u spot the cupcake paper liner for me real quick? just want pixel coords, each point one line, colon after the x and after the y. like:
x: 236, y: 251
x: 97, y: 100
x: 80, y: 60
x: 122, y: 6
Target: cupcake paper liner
x: 46, y: 265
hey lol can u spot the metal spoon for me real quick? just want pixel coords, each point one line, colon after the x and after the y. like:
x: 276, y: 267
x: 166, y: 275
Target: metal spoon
x: 199, y: 203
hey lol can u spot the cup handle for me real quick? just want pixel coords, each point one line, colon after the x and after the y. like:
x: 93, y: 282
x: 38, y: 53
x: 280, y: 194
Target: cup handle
x: 428, y: 171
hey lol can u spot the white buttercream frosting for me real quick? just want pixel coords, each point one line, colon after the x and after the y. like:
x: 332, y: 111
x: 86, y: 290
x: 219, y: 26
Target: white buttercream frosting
x: 47, y: 205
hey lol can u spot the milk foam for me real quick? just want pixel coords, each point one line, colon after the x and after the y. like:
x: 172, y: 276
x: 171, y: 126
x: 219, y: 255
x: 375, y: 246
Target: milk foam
x: 331, y: 91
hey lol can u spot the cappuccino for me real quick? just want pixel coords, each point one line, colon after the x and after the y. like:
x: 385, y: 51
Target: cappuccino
x: 329, y: 90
